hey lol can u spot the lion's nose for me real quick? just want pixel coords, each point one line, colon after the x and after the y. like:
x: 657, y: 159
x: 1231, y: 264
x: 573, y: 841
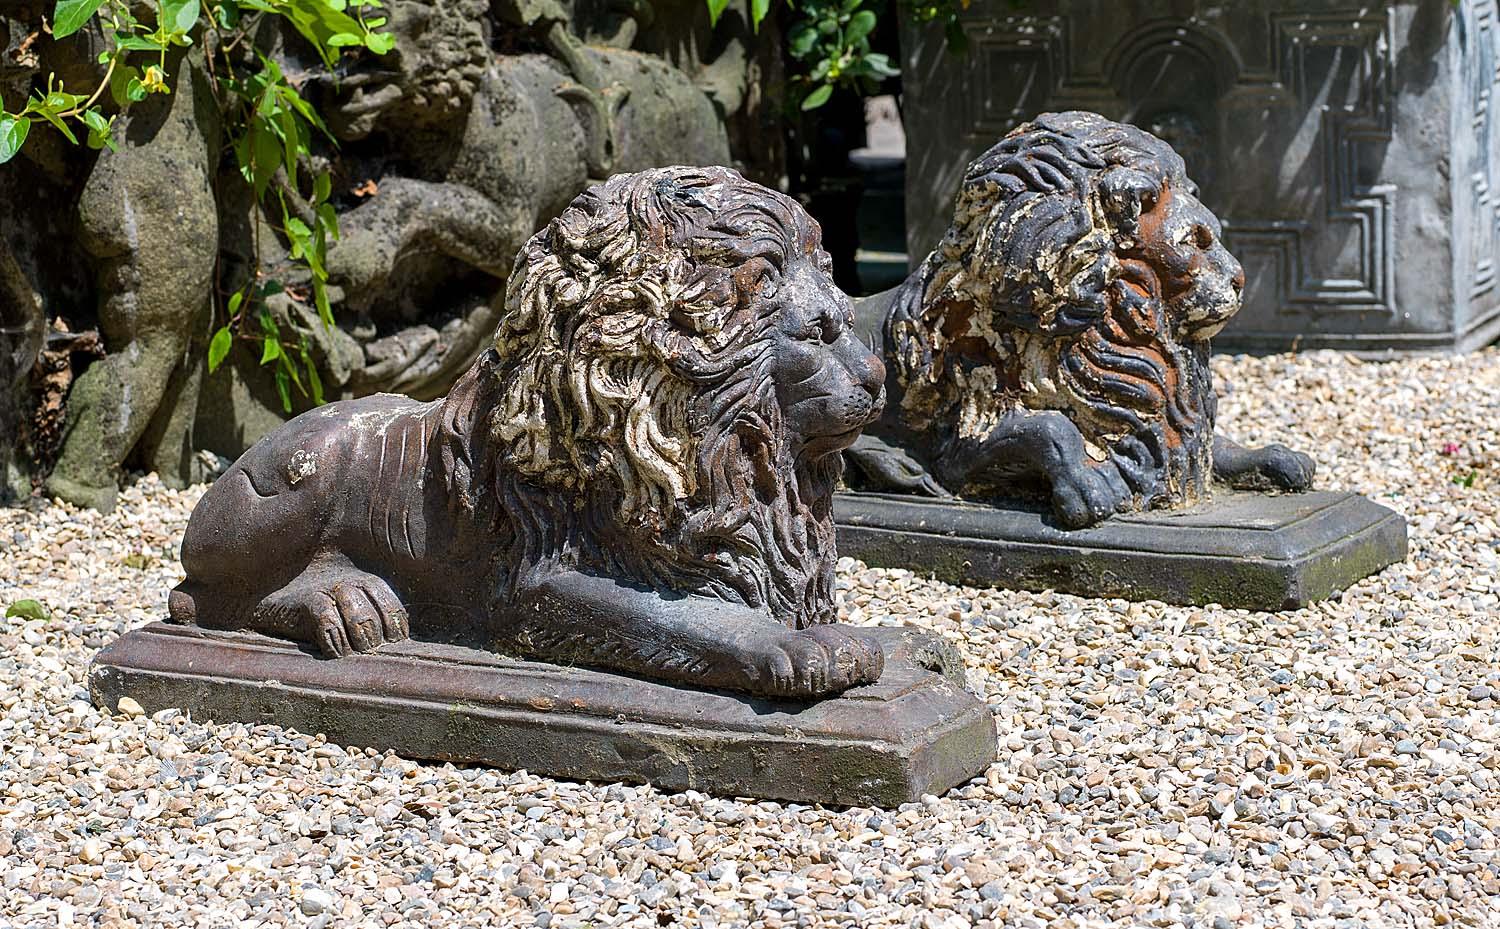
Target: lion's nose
x: 1238, y: 281
x: 873, y: 375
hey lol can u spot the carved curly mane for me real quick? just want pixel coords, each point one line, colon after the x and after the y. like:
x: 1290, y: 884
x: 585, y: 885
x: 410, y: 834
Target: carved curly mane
x: 629, y: 385
x: 1039, y: 296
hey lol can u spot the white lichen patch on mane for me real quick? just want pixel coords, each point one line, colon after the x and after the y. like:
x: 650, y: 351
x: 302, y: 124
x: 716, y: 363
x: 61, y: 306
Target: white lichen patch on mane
x: 1038, y: 378
x: 983, y: 402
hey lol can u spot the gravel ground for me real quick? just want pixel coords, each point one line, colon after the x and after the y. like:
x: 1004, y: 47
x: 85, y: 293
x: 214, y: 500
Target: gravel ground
x: 1159, y: 766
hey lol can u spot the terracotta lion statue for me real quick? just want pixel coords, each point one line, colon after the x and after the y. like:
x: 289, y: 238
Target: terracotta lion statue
x: 637, y: 476
x: 1056, y: 342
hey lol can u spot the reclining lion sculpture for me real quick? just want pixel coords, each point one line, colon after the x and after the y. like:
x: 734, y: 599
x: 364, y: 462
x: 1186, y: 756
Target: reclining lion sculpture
x: 638, y: 475
x: 1056, y: 342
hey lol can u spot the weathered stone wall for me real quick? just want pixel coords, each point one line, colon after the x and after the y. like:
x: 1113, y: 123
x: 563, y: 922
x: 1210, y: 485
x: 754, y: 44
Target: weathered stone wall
x: 1349, y: 148
x: 483, y: 124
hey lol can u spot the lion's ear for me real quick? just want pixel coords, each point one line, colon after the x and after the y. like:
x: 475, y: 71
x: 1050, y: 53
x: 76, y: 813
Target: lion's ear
x: 1126, y: 194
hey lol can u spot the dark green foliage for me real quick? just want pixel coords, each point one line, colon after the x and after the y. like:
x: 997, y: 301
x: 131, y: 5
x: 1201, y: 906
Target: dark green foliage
x: 268, y: 125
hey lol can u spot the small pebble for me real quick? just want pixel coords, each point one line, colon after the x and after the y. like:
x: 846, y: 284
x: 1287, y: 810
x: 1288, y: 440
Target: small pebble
x: 315, y: 901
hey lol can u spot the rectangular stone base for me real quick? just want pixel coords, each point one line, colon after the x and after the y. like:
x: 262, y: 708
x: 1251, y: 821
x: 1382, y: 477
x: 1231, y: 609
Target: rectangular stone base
x: 915, y: 731
x: 1245, y: 550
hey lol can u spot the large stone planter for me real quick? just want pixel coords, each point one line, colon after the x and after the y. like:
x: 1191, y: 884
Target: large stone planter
x: 1349, y: 148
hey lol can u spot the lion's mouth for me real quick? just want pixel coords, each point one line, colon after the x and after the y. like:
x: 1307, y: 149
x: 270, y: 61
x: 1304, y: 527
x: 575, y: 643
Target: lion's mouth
x: 818, y: 446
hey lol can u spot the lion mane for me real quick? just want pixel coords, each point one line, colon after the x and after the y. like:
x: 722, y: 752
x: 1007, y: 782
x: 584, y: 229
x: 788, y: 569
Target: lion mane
x: 1039, y: 296
x: 626, y: 421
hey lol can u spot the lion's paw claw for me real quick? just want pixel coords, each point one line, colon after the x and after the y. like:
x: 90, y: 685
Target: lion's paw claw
x: 342, y: 615
x: 1086, y: 495
x: 819, y: 660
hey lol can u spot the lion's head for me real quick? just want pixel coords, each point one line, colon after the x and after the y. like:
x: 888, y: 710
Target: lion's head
x: 676, y: 378
x: 1082, y: 274
x: 428, y: 78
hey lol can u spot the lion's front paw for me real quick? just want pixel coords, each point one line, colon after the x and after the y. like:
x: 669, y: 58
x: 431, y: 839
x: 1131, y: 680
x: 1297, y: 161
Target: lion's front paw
x: 817, y: 661
x: 346, y: 613
x: 1276, y: 467
x: 886, y: 468
x: 1086, y: 494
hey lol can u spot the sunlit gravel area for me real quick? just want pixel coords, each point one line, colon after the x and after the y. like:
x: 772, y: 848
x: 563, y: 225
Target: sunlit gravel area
x: 1159, y: 766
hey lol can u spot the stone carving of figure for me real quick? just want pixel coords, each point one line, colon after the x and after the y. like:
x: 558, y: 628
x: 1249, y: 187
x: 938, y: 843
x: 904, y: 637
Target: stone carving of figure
x: 636, y: 476
x: 1055, y: 344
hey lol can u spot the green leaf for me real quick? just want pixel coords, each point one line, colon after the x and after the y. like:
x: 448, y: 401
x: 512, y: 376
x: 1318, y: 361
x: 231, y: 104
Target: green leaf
x: 322, y: 187
x: 58, y: 124
x: 290, y: 367
x: 716, y: 9
x: 318, y: 22
x: 284, y: 388
x: 135, y: 43
x: 99, y: 129
x: 27, y: 609
x: 235, y: 299
x: 70, y: 15
x: 265, y: 150
x: 879, y: 65
x: 380, y: 43
x: 218, y: 347
x: 292, y: 143
x: 227, y: 15
x: 860, y: 26
x: 313, y: 380
x: 314, y: 250
x: 758, y: 11
x: 180, y: 15
x: 299, y: 234
x: 120, y: 82
x: 56, y: 101
x: 13, y: 130
x: 320, y: 297
x: 288, y: 96
x: 270, y: 351
x: 818, y: 97
x: 801, y: 40
x: 344, y: 40
x: 328, y: 220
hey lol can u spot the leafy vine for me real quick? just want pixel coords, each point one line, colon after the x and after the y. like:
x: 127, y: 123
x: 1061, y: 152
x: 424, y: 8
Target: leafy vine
x: 830, y: 40
x: 269, y: 128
